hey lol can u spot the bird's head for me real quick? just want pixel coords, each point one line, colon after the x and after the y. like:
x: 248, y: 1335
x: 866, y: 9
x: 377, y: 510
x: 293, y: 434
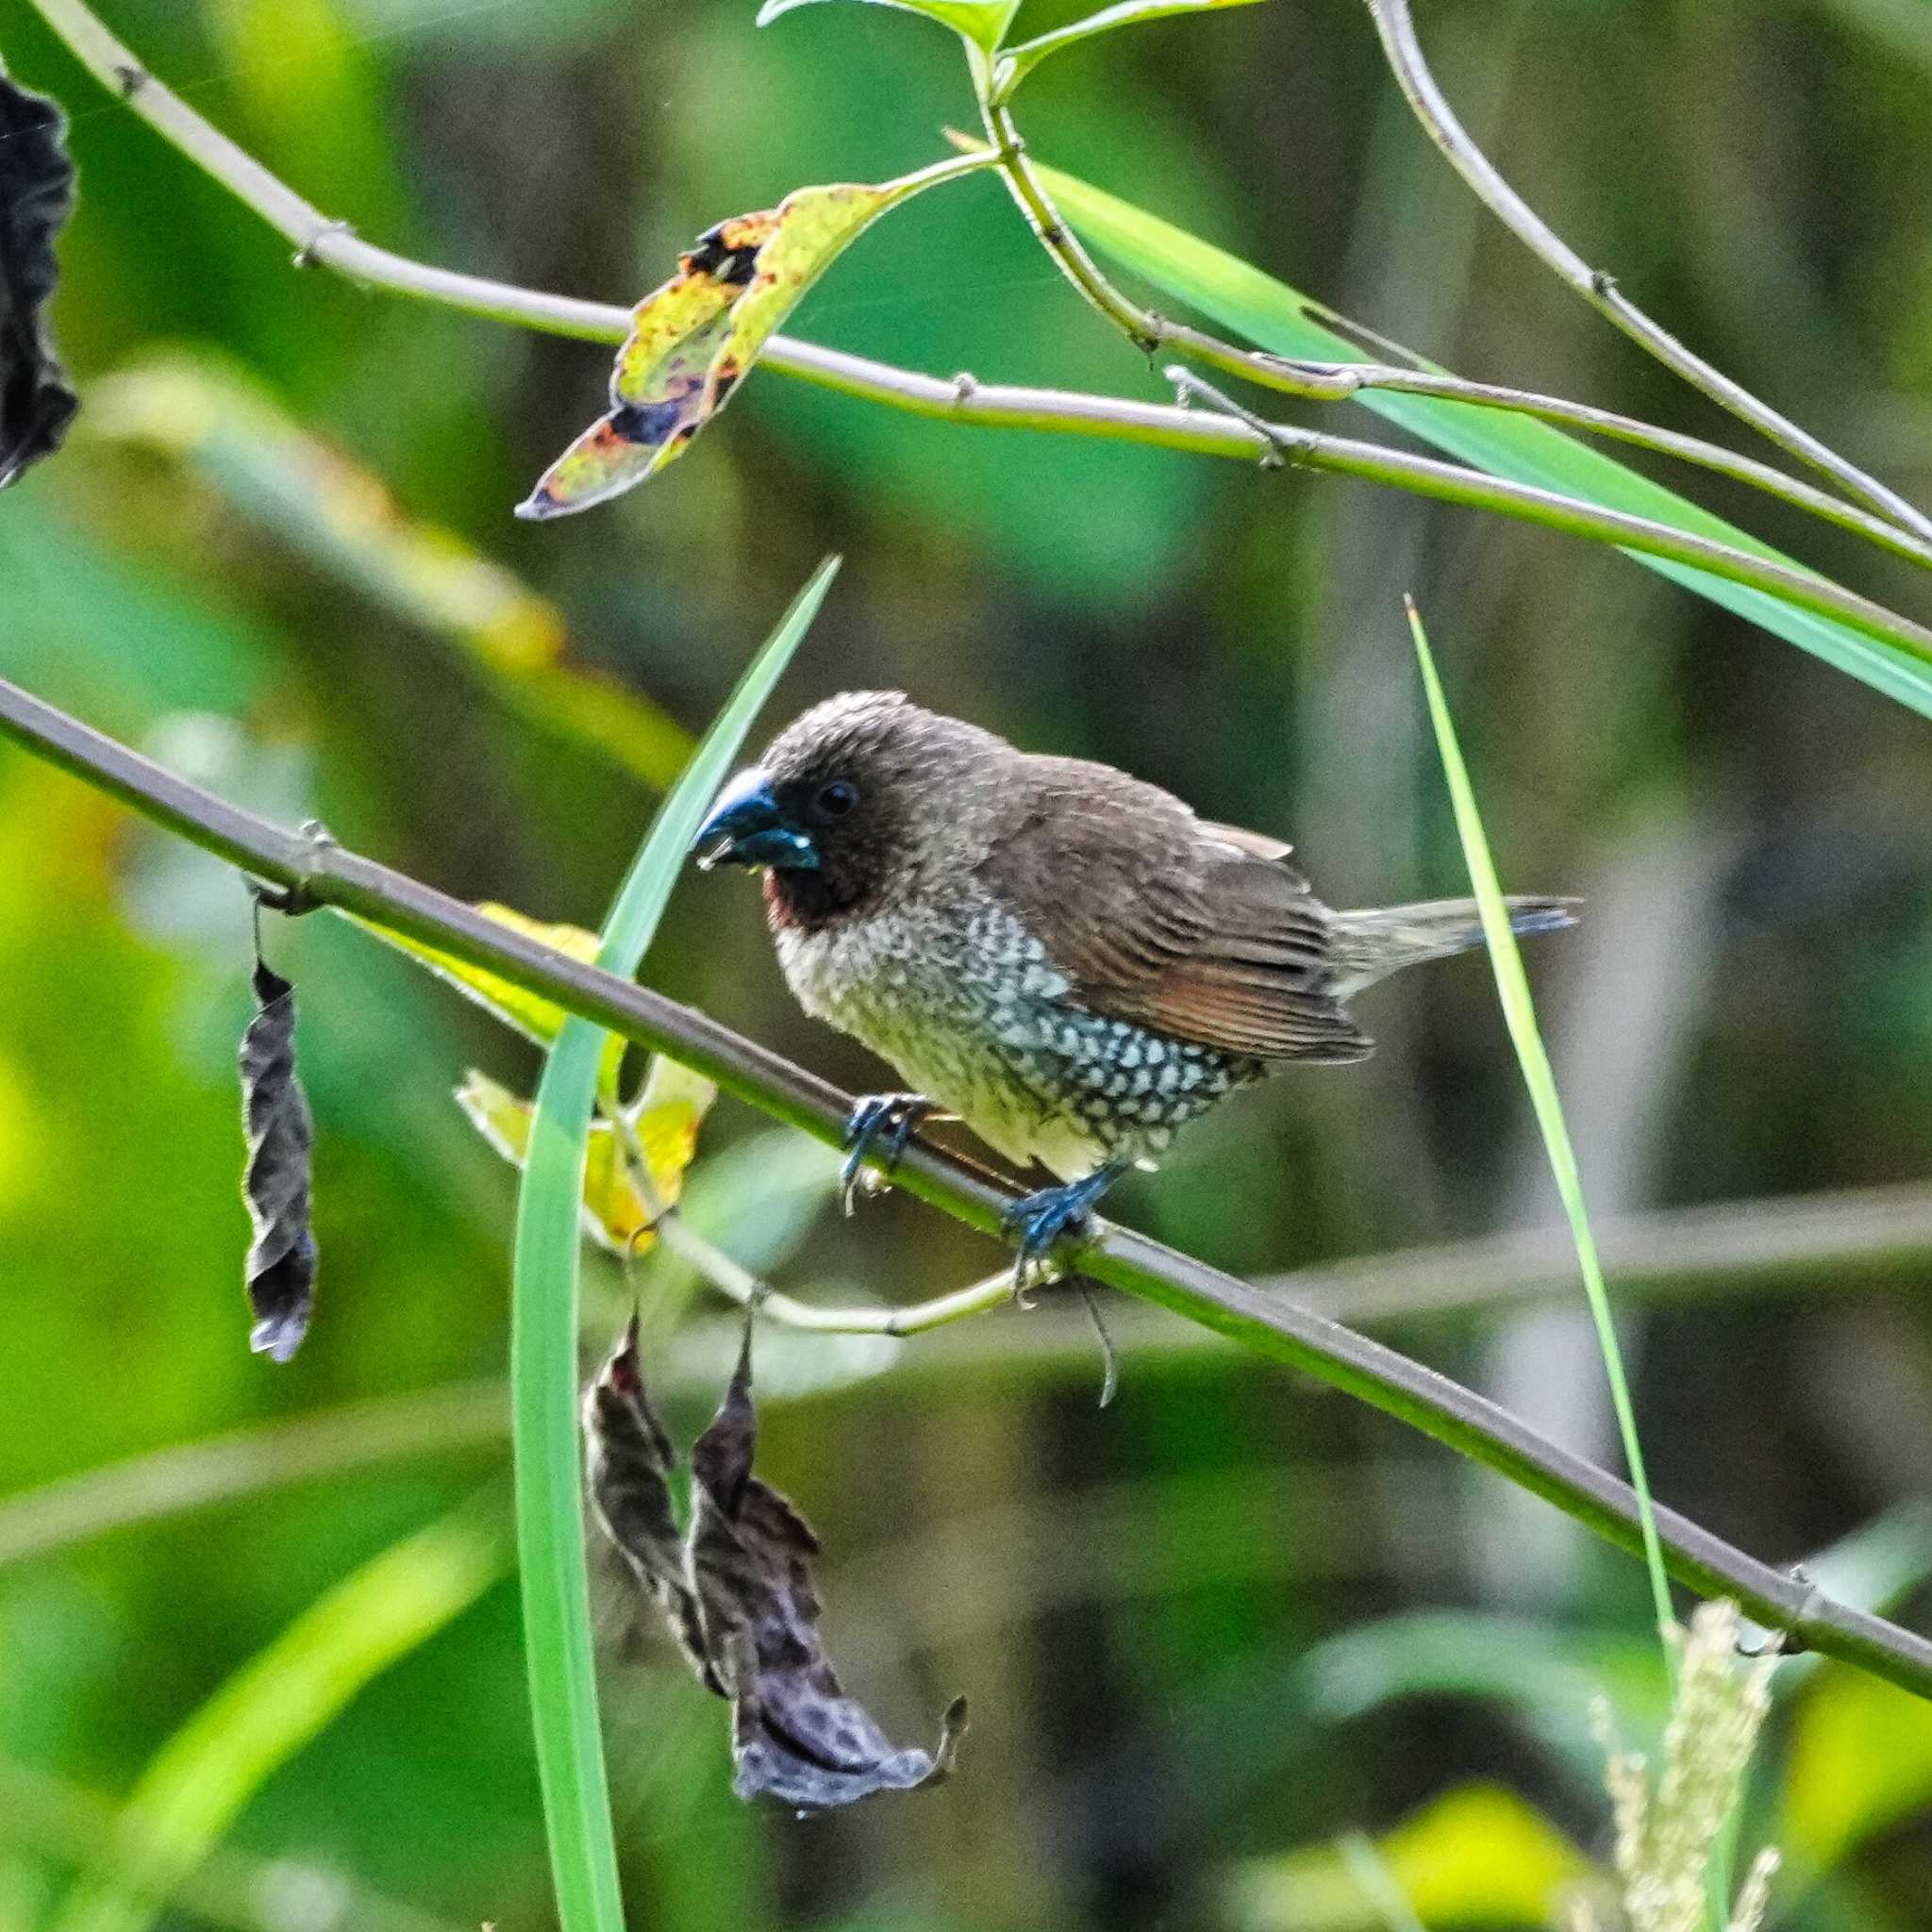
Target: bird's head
x: 853, y: 802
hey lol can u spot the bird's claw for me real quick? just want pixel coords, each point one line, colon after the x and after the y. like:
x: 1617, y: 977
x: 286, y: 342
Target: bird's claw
x: 891, y: 1119
x: 1038, y: 1222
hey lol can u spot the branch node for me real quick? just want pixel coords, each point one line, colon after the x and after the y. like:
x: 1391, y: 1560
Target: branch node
x: 129, y: 78
x: 1280, y: 445
x: 1602, y: 283
x: 292, y: 902
x: 965, y: 386
x: 306, y: 257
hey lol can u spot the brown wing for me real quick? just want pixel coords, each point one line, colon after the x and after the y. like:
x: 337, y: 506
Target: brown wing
x: 1195, y: 929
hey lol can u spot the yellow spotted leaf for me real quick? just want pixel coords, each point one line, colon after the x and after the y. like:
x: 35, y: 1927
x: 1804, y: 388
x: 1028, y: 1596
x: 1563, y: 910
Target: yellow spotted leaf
x: 664, y: 1121
x: 658, y: 383
x: 692, y: 339
x: 813, y: 227
x: 532, y: 1015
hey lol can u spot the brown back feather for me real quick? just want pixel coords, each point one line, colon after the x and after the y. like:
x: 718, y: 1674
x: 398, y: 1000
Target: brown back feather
x: 1194, y: 929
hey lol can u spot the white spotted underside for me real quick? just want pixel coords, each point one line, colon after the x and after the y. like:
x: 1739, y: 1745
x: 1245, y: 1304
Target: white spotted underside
x: 973, y: 1015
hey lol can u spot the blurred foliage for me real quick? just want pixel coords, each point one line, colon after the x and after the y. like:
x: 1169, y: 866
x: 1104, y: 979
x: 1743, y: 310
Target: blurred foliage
x: 1231, y: 1620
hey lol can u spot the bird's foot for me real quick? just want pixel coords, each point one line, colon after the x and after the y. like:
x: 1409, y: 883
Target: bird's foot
x: 883, y: 1121
x: 1040, y: 1222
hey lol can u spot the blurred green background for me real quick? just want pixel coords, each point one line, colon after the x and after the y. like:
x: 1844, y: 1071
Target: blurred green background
x: 1210, y: 1633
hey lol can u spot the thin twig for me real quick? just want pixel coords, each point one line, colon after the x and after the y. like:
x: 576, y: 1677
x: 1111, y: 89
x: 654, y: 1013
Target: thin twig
x: 327, y: 243
x: 1399, y: 43
x: 737, y: 1283
x: 331, y: 874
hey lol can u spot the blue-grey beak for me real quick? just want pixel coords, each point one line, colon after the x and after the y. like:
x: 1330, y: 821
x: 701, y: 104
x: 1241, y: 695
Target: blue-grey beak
x: 746, y: 827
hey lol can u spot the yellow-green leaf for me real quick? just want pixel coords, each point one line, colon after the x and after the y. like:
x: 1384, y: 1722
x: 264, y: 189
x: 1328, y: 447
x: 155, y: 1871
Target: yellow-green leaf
x: 536, y: 1018
x: 1479, y: 1855
x: 1860, y: 1760
x: 982, y: 21
x: 208, y: 1773
x: 1016, y: 63
x: 618, y: 1213
x: 813, y: 225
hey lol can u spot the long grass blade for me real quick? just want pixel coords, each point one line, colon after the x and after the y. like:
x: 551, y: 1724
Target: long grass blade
x: 1239, y: 296
x: 1519, y: 1011
x: 544, y: 1333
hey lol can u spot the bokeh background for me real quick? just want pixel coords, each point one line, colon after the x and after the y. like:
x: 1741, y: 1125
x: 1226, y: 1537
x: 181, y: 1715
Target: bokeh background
x: 1222, y: 1632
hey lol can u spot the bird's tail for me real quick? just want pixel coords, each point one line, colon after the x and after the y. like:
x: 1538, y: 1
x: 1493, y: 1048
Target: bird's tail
x: 1369, y: 945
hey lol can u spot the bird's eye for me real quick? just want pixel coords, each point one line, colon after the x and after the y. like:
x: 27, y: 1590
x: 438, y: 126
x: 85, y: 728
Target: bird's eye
x: 835, y: 799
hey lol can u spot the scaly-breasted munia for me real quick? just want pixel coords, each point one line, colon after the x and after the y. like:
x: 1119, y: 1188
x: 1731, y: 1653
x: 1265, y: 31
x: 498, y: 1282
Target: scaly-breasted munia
x: 1064, y: 957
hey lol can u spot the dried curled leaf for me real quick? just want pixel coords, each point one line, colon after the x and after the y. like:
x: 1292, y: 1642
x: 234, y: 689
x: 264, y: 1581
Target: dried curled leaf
x: 737, y: 1592
x: 276, y: 1178
x: 662, y: 1122
x: 629, y: 1460
x: 36, y: 196
x: 692, y: 339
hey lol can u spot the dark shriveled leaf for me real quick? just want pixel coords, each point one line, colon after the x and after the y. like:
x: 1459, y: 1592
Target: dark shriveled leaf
x: 274, y: 1181
x: 738, y: 1597
x: 36, y: 193
x: 630, y: 1460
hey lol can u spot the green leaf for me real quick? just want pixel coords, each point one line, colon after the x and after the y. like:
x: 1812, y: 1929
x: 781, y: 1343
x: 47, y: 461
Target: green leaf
x: 1518, y: 1012
x: 309, y: 495
x: 199, y: 1781
x: 1016, y: 63
x: 982, y: 21
x: 544, y: 1333
x: 1278, y: 318
x: 1860, y: 1759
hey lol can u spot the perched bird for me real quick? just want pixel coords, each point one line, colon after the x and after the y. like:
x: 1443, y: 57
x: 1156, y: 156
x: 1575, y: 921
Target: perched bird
x: 1063, y: 956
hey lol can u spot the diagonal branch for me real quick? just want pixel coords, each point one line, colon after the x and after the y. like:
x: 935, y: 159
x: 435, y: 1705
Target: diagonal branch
x: 328, y: 874
x: 1396, y: 27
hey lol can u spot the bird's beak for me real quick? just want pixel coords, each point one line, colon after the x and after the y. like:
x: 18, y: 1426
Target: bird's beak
x: 746, y: 827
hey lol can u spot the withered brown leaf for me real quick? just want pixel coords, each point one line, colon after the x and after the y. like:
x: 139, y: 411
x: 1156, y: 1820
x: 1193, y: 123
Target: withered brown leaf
x: 276, y: 1180
x: 36, y: 194
x: 737, y: 1592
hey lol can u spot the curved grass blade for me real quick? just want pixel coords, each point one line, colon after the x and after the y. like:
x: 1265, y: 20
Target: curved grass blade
x: 203, y: 1777
x: 1519, y: 1011
x: 1270, y: 313
x: 544, y: 1333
